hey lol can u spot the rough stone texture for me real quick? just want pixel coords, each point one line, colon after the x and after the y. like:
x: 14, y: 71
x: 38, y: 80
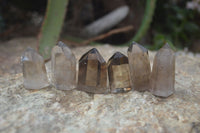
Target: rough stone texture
x: 52, y: 110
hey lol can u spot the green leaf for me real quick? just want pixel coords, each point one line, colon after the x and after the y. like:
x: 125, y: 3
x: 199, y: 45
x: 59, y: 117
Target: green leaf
x: 171, y: 44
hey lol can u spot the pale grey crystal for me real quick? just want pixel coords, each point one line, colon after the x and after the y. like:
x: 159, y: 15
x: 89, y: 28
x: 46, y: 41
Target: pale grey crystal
x: 34, y: 71
x: 140, y: 70
x: 163, y: 73
x: 63, y: 64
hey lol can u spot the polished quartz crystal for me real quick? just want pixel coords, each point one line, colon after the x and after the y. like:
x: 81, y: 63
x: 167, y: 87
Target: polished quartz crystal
x: 163, y: 73
x: 63, y: 64
x: 140, y: 70
x: 118, y: 72
x: 34, y: 71
x: 92, y: 76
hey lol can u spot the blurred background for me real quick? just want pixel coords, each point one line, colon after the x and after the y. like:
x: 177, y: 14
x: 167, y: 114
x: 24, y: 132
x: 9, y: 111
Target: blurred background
x: 148, y: 22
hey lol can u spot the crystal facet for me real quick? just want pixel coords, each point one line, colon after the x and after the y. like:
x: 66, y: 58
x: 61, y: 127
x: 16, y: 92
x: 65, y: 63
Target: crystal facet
x: 140, y: 70
x: 163, y: 73
x: 63, y: 64
x: 34, y: 71
x: 92, y: 76
x: 118, y: 72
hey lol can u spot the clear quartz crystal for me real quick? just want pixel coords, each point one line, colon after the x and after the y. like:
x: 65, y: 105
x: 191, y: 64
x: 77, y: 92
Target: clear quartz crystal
x: 140, y: 69
x: 118, y: 72
x: 163, y: 73
x: 92, y: 75
x: 34, y: 71
x: 63, y: 64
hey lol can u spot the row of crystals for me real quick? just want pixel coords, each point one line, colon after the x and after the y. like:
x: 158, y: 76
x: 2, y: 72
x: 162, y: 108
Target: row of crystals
x: 121, y: 73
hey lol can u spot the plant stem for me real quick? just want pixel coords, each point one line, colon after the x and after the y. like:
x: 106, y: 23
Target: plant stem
x: 51, y: 28
x: 149, y: 11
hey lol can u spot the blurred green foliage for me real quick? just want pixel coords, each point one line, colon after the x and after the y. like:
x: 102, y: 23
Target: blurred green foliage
x: 160, y: 41
x: 173, y: 22
x: 147, y: 19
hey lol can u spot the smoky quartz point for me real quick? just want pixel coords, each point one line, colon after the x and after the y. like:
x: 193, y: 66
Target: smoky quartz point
x: 63, y: 65
x: 163, y: 73
x: 140, y: 69
x: 34, y: 71
x: 92, y: 75
x: 118, y: 72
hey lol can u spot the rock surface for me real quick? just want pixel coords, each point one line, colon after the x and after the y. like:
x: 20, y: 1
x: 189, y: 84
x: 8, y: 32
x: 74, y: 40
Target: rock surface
x: 50, y: 110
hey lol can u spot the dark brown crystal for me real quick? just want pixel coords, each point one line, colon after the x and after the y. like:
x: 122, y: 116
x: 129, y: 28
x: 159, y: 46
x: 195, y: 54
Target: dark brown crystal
x: 118, y: 72
x: 92, y: 75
